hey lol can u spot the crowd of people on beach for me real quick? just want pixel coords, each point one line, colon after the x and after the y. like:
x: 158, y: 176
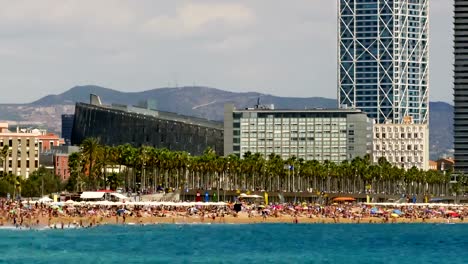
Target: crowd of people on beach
x: 33, y: 214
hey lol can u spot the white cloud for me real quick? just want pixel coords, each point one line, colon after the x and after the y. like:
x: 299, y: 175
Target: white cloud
x: 193, y: 18
x: 280, y: 47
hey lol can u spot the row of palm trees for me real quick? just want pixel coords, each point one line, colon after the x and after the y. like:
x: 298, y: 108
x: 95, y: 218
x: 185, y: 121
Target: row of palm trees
x: 147, y: 168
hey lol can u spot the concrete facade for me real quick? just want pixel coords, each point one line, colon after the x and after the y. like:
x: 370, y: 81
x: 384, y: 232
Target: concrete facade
x: 333, y: 135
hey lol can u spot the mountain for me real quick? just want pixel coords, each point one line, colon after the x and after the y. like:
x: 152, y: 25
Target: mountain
x: 440, y: 129
x: 201, y: 102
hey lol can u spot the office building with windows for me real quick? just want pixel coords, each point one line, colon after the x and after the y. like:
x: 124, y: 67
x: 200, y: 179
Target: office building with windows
x: 383, y: 58
x: 67, y: 126
x: 461, y: 87
x: 317, y: 134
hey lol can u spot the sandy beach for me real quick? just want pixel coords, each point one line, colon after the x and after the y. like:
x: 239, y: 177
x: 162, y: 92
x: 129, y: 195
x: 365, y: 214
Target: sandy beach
x: 242, y: 218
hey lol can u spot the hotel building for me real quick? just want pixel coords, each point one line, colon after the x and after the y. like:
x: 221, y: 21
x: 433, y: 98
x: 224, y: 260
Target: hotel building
x: 317, y: 134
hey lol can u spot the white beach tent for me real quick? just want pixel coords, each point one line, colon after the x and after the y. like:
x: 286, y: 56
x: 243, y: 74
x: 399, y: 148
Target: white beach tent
x: 92, y: 195
x: 45, y: 199
x: 120, y: 196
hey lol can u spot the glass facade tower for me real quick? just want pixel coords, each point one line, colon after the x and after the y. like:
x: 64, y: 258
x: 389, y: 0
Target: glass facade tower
x: 383, y: 59
x: 461, y: 86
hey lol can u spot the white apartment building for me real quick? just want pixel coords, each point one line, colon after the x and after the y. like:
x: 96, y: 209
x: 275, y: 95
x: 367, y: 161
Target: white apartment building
x: 404, y: 145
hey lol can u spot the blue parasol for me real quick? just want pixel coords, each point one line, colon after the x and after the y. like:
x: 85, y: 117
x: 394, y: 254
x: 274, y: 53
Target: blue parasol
x: 398, y: 212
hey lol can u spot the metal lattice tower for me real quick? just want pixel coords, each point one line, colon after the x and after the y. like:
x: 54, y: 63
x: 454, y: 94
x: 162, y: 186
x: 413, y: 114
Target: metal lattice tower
x: 383, y: 58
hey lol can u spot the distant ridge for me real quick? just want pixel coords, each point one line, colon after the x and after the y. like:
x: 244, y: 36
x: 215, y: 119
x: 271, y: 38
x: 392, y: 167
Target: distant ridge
x: 194, y: 100
x: 207, y: 103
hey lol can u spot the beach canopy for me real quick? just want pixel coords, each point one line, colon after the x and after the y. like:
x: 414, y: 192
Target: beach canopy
x: 119, y: 196
x: 344, y: 199
x: 255, y: 196
x: 45, y: 199
x: 92, y: 195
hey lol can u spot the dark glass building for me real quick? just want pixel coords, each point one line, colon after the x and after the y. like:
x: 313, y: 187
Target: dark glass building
x: 461, y: 86
x: 67, y: 126
x: 119, y: 124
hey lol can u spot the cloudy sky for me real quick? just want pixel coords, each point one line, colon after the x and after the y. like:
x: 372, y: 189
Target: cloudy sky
x: 279, y: 47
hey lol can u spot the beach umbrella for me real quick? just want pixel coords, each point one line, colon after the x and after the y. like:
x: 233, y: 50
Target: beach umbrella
x: 452, y: 213
x: 394, y: 215
x: 398, y: 212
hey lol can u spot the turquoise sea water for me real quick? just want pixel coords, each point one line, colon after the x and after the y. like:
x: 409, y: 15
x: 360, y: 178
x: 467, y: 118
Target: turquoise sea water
x: 254, y: 243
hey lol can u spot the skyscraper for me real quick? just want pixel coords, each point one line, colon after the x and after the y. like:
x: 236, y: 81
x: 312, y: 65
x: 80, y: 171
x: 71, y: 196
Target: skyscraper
x: 461, y: 86
x: 383, y: 59
x: 67, y: 126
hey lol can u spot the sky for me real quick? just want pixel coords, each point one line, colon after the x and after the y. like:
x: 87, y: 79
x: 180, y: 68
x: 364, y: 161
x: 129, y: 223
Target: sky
x: 285, y: 48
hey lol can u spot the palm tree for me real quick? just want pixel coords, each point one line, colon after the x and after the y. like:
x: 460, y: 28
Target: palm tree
x: 90, y: 150
x: 4, y: 153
